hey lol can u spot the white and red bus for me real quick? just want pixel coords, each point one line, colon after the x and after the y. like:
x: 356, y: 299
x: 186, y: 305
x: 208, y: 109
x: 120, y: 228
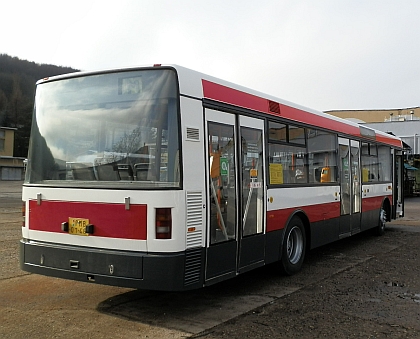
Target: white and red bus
x: 165, y: 178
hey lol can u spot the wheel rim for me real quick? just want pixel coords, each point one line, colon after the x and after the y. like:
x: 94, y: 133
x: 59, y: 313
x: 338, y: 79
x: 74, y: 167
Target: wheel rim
x: 294, y: 245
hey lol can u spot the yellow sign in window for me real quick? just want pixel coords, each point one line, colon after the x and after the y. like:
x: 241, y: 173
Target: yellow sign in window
x: 276, y: 174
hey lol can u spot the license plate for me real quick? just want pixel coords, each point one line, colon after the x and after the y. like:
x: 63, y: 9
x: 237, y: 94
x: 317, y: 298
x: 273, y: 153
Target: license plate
x: 77, y: 226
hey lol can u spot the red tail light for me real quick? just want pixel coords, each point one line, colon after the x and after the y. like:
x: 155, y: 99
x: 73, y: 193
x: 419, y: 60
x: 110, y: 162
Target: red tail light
x: 163, y: 223
x: 23, y: 213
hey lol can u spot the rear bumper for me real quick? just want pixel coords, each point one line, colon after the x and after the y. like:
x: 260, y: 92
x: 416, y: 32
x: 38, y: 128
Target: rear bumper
x: 157, y: 271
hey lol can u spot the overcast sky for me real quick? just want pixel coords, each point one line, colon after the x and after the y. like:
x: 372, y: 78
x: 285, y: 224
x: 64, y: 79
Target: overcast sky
x: 324, y: 54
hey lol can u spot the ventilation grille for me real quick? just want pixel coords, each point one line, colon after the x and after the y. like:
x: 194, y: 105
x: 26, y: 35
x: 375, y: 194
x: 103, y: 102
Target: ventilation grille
x: 192, y: 267
x: 194, y: 219
x: 193, y: 134
x: 274, y: 107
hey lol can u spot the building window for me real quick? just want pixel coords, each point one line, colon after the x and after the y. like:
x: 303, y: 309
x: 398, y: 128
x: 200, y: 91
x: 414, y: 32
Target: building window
x: 2, y: 140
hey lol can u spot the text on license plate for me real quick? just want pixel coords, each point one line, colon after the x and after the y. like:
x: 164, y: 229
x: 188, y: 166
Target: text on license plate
x: 77, y: 226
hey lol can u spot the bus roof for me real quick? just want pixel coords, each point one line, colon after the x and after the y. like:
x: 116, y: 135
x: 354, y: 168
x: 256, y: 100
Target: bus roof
x: 229, y: 93
x: 203, y: 86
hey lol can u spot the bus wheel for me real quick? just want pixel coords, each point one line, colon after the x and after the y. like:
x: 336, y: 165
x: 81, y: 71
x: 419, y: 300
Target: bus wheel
x: 294, y: 246
x: 380, y: 229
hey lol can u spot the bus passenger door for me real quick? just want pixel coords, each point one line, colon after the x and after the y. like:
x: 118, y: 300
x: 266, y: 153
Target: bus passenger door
x: 222, y: 196
x: 398, y: 184
x: 251, y: 235
x: 356, y: 186
x: 350, y: 187
x: 235, y: 233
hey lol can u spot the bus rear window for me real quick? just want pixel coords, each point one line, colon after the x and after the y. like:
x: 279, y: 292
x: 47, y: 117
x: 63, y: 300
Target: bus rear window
x: 107, y: 129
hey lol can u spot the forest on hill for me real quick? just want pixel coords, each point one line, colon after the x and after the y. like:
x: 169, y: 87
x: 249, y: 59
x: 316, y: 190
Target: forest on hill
x: 17, y: 88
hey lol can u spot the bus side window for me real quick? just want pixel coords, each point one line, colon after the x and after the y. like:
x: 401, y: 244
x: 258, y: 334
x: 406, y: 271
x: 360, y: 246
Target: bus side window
x: 322, y: 156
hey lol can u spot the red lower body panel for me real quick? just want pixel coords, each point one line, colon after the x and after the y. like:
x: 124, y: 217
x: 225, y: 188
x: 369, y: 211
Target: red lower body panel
x: 109, y: 220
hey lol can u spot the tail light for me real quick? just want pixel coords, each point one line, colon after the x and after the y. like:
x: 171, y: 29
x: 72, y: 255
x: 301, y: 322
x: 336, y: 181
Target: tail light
x: 23, y: 213
x: 163, y: 223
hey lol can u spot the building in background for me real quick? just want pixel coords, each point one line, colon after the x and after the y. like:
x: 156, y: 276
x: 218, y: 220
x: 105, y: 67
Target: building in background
x: 378, y: 115
x: 11, y: 168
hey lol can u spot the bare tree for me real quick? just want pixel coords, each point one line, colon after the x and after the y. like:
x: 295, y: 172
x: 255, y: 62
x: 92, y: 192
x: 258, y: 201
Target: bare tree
x: 129, y: 143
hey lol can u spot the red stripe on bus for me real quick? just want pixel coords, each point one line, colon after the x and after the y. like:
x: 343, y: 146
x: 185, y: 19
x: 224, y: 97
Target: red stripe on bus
x: 235, y: 97
x: 232, y: 96
x: 373, y: 203
x: 109, y: 220
x: 385, y: 140
x: 277, y: 219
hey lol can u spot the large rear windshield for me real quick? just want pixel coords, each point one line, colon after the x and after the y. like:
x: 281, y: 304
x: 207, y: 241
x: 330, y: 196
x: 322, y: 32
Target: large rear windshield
x: 115, y: 129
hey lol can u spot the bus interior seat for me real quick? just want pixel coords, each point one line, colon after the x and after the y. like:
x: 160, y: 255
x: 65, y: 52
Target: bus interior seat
x: 141, y: 171
x: 125, y: 171
x: 107, y: 172
x: 83, y: 171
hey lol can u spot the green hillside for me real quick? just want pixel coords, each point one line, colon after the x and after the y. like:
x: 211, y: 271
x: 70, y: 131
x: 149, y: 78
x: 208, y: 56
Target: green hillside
x: 17, y: 87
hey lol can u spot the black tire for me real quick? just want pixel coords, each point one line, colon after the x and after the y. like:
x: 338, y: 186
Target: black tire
x: 294, y: 246
x: 380, y: 229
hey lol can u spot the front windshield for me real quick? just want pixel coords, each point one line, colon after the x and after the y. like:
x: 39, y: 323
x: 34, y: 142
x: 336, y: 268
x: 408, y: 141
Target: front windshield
x: 109, y: 129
